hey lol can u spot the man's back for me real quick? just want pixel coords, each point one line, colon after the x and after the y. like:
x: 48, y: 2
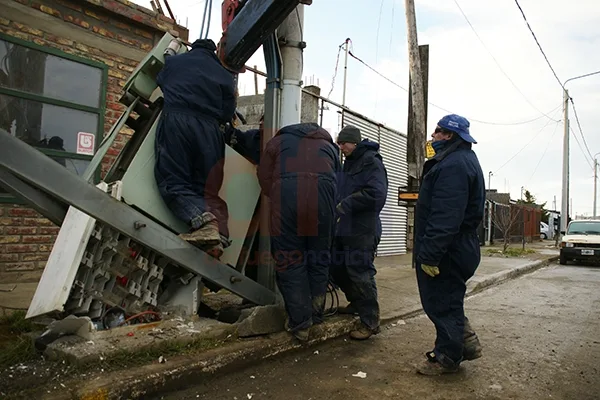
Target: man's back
x: 299, y: 151
x: 196, y: 82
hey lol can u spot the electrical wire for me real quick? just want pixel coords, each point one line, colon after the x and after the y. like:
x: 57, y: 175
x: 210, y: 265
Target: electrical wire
x: 580, y: 130
x: 335, y: 300
x: 337, y: 62
x: 522, y: 148
x: 581, y: 148
x: 392, y: 27
x: 377, y: 35
x: 351, y: 54
x: 544, y: 153
x: 204, y: 19
x: 496, y: 61
x: 538, y: 43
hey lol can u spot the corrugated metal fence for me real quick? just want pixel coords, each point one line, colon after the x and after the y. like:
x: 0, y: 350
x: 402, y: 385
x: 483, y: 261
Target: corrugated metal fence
x: 393, y: 148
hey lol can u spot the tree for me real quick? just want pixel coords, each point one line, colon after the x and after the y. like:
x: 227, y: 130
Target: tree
x: 531, y: 200
x: 505, y: 218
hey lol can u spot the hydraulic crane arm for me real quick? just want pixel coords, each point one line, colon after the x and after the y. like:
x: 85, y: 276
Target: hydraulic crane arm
x: 248, y: 24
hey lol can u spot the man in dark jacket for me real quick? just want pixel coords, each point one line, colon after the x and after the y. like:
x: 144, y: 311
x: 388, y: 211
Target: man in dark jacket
x: 362, y: 191
x: 449, y: 210
x: 199, y: 99
x: 297, y: 172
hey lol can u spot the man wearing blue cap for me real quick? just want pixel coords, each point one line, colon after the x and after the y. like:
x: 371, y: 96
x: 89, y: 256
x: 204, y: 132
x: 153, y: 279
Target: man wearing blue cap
x: 449, y: 210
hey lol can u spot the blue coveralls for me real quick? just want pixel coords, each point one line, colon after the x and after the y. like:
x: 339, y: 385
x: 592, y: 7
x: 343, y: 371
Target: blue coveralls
x: 298, y: 173
x: 449, y: 209
x: 246, y: 143
x: 199, y: 98
x: 362, y: 192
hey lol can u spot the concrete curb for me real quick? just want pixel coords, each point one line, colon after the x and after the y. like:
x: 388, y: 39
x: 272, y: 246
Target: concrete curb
x: 500, y: 277
x: 156, y: 379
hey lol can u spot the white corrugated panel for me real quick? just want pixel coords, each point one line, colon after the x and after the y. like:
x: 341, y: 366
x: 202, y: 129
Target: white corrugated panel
x: 393, y: 148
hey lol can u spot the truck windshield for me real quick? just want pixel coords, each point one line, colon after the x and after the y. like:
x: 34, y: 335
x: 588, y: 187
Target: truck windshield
x: 584, y: 228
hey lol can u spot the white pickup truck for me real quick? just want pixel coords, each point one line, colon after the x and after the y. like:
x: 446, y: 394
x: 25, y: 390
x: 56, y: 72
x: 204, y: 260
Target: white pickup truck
x: 581, y: 242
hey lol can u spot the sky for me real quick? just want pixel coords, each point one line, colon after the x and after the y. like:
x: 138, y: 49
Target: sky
x: 490, y: 71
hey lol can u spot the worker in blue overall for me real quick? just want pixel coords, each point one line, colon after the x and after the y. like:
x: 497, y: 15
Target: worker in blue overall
x: 298, y: 171
x: 449, y: 209
x: 362, y: 192
x: 246, y: 143
x: 199, y: 100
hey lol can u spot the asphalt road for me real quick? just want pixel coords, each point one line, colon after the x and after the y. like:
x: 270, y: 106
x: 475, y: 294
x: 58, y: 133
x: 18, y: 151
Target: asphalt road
x: 541, y: 338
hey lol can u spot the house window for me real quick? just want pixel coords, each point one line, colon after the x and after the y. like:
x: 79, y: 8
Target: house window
x: 47, y: 98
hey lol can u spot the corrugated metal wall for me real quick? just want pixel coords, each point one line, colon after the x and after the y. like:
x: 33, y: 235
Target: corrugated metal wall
x: 393, y: 148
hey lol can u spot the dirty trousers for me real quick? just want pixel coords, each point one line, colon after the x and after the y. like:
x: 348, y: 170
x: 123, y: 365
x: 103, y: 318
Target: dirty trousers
x: 442, y: 298
x: 302, y: 214
x: 190, y: 159
x: 354, y: 272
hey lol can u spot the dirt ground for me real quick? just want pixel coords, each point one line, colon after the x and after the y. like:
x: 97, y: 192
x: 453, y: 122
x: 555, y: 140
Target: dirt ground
x: 541, y: 337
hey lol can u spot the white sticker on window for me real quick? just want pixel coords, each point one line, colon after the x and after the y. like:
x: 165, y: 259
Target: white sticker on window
x: 85, y: 143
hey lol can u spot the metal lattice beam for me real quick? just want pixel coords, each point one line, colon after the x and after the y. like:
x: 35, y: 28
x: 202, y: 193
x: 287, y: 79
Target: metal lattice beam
x: 41, y: 172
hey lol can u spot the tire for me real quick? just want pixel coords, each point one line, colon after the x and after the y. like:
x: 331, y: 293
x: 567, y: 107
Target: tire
x: 544, y: 236
x: 562, y: 260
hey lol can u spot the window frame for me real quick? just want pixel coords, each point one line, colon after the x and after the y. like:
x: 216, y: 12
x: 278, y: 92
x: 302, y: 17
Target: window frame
x: 100, y: 111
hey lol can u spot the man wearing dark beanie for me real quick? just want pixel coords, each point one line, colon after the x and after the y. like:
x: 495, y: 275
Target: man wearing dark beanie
x: 362, y: 191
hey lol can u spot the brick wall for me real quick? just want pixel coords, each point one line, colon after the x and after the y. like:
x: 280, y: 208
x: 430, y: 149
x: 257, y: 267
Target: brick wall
x: 26, y: 238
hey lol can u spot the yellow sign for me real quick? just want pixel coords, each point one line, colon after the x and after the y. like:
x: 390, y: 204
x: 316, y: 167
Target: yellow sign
x: 429, y: 150
x: 408, y: 196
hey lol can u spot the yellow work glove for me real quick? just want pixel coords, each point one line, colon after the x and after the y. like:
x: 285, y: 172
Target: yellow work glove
x: 430, y: 270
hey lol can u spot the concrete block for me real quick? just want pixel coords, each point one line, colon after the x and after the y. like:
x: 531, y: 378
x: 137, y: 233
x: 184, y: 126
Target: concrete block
x: 261, y: 321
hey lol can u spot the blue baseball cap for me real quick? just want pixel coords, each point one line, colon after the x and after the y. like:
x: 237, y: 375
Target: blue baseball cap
x: 458, y: 124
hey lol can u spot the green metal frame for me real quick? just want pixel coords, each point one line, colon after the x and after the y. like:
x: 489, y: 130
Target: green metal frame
x: 100, y: 110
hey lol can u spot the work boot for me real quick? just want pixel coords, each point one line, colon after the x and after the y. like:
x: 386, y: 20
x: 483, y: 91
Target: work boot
x: 363, y: 333
x: 213, y: 250
x: 432, y: 367
x: 302, y: 334
x: 207, y: 234
x: 348, y: 310
x: 472, y: 349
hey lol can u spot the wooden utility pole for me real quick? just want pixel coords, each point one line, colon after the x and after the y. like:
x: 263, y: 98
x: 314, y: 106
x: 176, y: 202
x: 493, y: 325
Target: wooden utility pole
x: 417, y: 114
x: 417, y: 107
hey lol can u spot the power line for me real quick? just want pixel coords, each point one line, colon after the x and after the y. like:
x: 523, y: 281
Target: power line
x: 581, y: 148
x: 544, y: 153
x: 337, y: 62
x: 496, y: 61
x: 522, y: 148
x: 378, y: 26
x: 538, y: 43
x: 444, y: 109
x: 580, y: 131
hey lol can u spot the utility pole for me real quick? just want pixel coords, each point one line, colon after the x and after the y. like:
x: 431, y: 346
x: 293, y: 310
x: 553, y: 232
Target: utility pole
x: 346, y: 48
x: 490, y: 181
x: 417, y: 109
x: 595, y: 182
x: 417, y: 96
x: 523, y: 217
x: 255, y: 81
x: 564, y: 210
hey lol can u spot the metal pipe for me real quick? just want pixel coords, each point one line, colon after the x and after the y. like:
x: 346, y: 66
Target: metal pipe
x: 290, y: 37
